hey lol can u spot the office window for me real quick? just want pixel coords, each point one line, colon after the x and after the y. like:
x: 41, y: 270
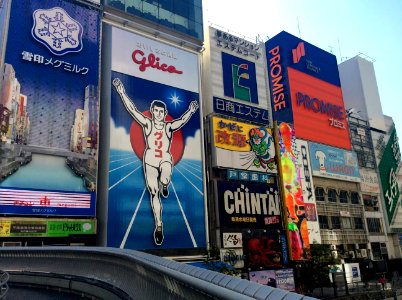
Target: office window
x: 335, y: 222
x: 323, y: 220
x: 319, y: 194
x: 358, y: 223
x: 374, y: 225
x: 331, y: 195
x: 354, y: 198
x: 343, y: 197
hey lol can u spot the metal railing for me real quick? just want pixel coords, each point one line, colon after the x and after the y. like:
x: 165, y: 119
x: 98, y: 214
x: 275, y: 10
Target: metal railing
x: 3, y: 283
x: 138, y: 274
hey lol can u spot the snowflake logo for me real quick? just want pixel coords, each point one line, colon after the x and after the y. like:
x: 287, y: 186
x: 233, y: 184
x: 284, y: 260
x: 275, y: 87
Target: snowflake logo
x: 55, y: 29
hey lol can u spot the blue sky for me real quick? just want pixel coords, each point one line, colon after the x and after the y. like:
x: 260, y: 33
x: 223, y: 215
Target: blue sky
x: 345, y: 28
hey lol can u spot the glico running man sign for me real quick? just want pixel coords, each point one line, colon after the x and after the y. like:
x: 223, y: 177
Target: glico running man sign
x: 156, y: 197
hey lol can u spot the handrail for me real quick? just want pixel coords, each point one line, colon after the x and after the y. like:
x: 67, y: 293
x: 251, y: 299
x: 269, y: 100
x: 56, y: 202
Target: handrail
x: 140, y: 275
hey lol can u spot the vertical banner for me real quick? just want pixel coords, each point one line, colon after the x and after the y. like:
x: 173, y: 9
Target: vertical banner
x: 292, y: 192
x: 49, y: 109
x: 306, y: 181
x: 388, y: 173
x: 156, y: 197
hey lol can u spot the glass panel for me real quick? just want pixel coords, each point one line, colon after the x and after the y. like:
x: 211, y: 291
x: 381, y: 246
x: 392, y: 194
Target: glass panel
x: 319, y: 194
x: 343, y: 197
x: 331, y: 195
x: 358, y: 223
x: 323, y: 220
x: 134, y: 7
x: 336, y: 222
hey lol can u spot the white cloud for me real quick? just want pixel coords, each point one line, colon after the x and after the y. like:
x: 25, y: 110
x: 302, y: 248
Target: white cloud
x: 193, y: 147
x: 119, y: 138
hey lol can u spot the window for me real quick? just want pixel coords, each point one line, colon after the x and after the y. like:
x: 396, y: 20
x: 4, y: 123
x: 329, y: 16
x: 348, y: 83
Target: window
x: 319, y: 194
x: 374, y: 225
x: 331, y: 195
x: 343, y: 197
x: 346, y: 224
x: 323, y: 220
x: 358, y: 223
x: 370, y: 203
x: 354, y: 197
x: 336, y: 222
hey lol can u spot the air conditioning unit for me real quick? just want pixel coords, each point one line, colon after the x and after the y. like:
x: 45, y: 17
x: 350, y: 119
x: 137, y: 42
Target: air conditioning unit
x: 332, y: 247
x: 363, y: 252
x: 351, y: 254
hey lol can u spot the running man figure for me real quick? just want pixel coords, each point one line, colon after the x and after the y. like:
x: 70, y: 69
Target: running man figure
x: 157, y: 159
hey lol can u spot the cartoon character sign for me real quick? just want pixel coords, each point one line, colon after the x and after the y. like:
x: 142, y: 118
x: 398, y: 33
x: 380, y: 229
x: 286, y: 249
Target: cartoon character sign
x: 261, y: 142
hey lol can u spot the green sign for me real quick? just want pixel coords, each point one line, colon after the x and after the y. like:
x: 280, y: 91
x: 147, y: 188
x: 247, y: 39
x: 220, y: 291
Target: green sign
x: 388, y: 167
x: 46, y: 228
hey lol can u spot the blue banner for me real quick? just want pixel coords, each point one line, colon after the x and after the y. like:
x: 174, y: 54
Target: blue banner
x: 49, y: 108
x: 241, y: 111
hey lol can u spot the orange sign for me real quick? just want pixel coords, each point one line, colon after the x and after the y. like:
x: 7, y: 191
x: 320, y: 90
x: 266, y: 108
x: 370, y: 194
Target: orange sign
x: 318, y: 110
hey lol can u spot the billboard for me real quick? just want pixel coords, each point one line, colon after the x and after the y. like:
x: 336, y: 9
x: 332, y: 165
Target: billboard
x: 318, y: 104
x: 235, y: 80
x: 282, y: 279
x: 369, y: 181
x: 307, y: 186
x: 388, y: 167
x: 295, y: 209
x: 248, y: 205
x: 241, y: 111
x: 49, y: 109
x: 239, y: 78
x: 264, y: 249
x: 156, y: 196
x: 37, y: 227
x: 305, y: 90
x: 335, y: 163
x: 243, y: 146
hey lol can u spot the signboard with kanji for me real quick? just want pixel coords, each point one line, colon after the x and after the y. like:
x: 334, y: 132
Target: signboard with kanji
x: 388, y: 173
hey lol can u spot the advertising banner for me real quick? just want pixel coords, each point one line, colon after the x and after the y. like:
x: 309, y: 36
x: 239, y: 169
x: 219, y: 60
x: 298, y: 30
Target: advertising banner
x: 49, y: 109
x: 297, y: 212
x: 232, y: 240
x: 336, y: 163
x: 243, y: 146
x: 24, y: 227
x: 307, y: 185
x: 305, y: 90
x: 318, y: 104
x: 282, y: 279
x: 156, y: 197
x: 388, y: 167
x: 369, y: 181
x: 235, y: 82
x: 248, y: 205
x: 263, y: 249
x: 241, y: 111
